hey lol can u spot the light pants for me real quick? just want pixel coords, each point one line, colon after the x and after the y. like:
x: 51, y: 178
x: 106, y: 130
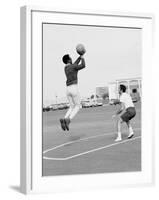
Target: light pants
x: 74, y: 101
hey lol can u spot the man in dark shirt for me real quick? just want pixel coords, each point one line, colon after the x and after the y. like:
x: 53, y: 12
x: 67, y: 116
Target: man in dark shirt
x: 71, y: 72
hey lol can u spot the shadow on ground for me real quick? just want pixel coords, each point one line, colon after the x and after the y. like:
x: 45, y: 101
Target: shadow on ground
x: 15, y: 188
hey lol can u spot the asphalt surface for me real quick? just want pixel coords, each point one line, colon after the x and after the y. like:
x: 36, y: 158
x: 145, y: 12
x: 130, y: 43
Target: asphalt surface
x: 89, y: 146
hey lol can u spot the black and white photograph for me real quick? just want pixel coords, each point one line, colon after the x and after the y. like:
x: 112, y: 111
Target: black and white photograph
x: 79, y: 99
x: 86, y: 99
x: 91, y: 99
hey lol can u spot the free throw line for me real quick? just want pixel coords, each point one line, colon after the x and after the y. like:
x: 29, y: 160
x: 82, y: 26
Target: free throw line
x: 90, y: 151
x: 83, y: 139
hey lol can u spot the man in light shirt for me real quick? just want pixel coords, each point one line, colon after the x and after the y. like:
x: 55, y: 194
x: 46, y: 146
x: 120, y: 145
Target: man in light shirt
x: 125, y: 113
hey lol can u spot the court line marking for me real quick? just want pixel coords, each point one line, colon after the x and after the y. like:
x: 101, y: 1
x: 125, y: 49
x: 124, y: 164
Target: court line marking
x: 90, y: 151
x: 83, y: 139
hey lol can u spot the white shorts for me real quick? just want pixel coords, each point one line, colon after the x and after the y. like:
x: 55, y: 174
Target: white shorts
x: 72, y: 94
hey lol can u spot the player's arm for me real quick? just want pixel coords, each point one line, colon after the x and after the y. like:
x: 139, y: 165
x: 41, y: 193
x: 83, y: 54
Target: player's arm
x: 77, y: 61
x: 82, y: 65
x: 120, y: 110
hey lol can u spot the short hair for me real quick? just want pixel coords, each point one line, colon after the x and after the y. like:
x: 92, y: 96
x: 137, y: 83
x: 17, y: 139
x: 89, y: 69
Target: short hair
x: 66, y: 58
x: 123, y: 88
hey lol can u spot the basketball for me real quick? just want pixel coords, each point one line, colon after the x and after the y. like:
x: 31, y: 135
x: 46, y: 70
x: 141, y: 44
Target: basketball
x: 80, y: 49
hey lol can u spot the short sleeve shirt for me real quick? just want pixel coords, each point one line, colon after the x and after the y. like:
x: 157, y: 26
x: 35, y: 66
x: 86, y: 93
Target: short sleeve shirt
x: 126, y: 100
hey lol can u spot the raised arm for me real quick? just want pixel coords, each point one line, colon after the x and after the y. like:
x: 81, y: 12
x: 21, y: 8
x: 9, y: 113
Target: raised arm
x: 77, y: 61
x: 82, y: 65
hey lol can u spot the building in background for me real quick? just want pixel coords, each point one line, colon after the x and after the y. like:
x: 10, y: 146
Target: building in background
x: 134, y: 88
x: 100, y: 91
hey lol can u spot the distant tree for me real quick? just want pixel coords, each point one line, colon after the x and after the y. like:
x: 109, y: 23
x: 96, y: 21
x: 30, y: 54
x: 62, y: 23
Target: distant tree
x: 105, y: 95
x: 92, y: 96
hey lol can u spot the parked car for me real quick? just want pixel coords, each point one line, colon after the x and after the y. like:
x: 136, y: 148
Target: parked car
x: 85, y: 104
x: 62, y: 106
x: 46, y: 109
x: 114, y: 101
x: 99, y: 102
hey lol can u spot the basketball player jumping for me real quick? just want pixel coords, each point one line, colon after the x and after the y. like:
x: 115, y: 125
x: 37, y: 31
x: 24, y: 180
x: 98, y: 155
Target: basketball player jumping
x: 71, y: 72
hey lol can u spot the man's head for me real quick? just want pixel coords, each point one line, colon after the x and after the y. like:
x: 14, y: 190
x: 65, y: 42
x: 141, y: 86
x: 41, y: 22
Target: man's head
x: 122, y: 88
x: 67, y: 59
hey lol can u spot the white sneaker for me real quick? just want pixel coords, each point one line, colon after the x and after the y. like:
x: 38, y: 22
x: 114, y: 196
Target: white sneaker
x: 130, y: 135
x: 118, y: 139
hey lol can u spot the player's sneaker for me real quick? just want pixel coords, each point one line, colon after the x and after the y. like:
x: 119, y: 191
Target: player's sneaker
x: 67, y: 122
x: 130, y: 135
x: 118, y: 139
x: 62, y: 124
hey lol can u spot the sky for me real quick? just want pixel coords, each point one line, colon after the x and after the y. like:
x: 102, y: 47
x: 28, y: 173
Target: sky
x: 111, y: 53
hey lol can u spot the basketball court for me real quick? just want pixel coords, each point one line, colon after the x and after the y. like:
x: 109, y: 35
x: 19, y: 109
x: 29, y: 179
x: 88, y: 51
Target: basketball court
x: 89, y: 146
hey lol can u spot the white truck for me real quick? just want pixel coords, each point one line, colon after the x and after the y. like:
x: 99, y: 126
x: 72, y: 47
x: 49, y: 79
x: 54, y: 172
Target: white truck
x: 113, y: 93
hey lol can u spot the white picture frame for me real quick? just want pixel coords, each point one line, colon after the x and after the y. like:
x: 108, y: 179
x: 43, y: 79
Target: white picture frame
x: 32, y: 181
